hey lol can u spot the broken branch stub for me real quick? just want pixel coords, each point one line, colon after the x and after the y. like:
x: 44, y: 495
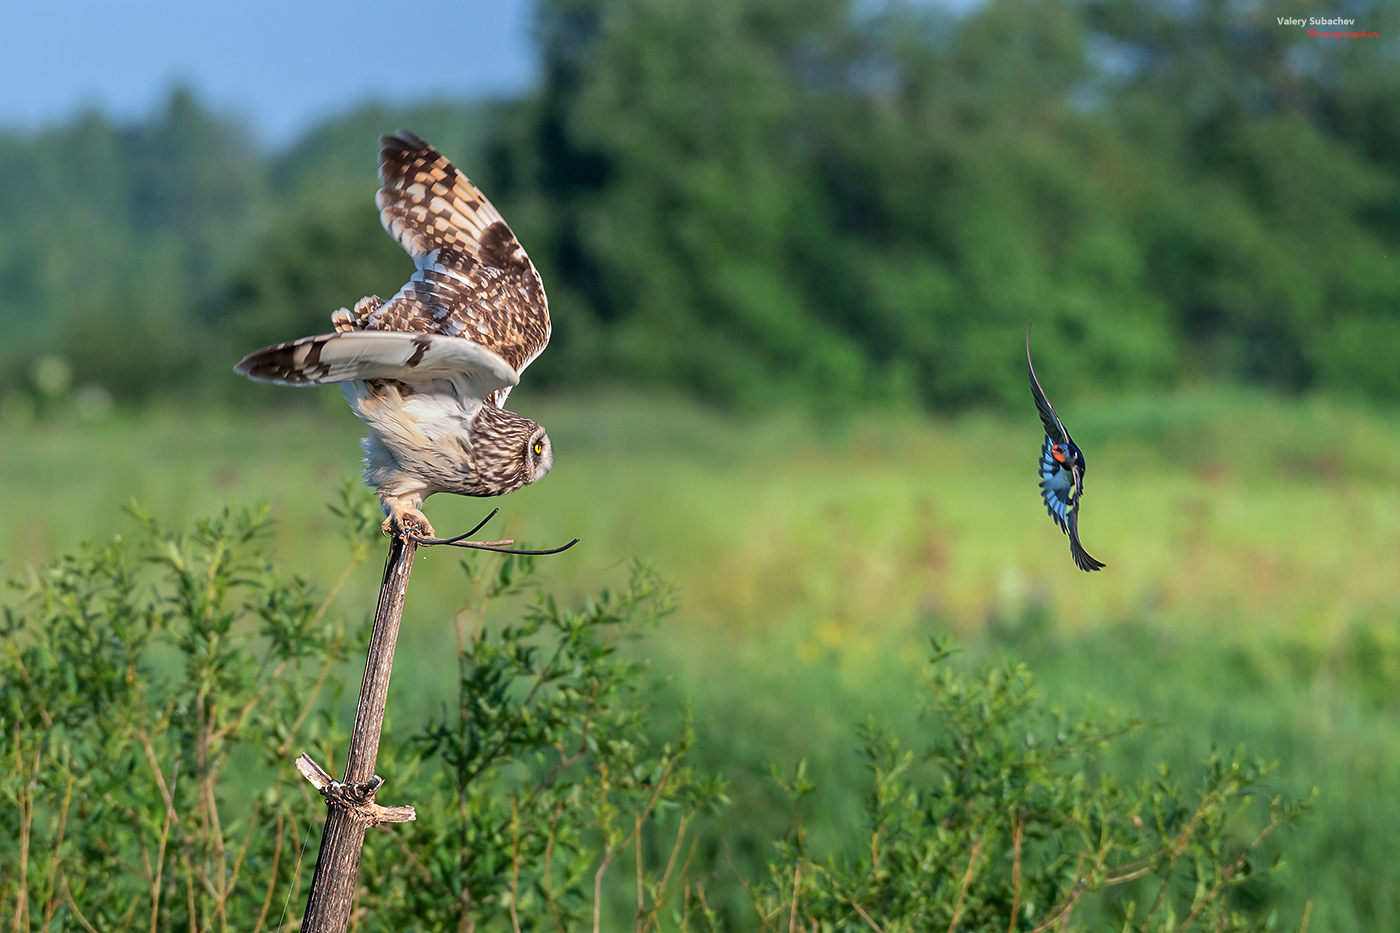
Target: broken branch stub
x: 357, y: 799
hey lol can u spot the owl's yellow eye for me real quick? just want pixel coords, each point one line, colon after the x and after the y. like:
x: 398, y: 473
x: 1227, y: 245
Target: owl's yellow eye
x: 539, y: 448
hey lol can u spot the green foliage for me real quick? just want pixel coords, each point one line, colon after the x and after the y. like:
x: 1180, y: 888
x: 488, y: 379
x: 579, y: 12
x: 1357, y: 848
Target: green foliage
x: 153, y: 694
x: 130, y: 254
x: 547, y: 772
x: 133, y: 677
x: 113, y: 234
x: 1004, y: 822
x: 813, y: 562
x: 1291, y: 697
x: 152, y: 698
x: 800, y: 200
x: 822, y: 201
x: 307, y: 266
x: 1267, y: 213
x: 842, y: 204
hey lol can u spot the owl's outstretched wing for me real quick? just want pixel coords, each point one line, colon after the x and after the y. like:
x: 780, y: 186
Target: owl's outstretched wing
x: 474, y: 280
x: 379, y: 354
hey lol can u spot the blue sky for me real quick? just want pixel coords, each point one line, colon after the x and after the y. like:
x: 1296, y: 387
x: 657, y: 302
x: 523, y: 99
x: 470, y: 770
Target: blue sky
x: 278, y: 64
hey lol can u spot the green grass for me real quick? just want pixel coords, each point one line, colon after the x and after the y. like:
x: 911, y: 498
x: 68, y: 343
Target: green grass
x: 1251, y: 592
x: 1211, y: 510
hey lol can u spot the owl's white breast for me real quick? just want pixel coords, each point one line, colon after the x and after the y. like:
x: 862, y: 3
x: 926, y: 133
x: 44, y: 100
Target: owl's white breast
x: 420, y: 434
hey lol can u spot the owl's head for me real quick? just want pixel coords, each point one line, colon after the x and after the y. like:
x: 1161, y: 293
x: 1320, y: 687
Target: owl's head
x: 507, y: 452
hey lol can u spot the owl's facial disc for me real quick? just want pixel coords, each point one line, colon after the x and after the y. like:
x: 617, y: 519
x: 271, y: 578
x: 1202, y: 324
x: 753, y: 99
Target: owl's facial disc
x: 539, y: 454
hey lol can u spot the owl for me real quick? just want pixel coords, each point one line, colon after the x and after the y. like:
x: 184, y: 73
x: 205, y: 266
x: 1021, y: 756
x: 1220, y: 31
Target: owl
x: 429, y: 370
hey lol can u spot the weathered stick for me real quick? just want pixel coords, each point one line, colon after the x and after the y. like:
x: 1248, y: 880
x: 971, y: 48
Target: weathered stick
x: 351, y: 801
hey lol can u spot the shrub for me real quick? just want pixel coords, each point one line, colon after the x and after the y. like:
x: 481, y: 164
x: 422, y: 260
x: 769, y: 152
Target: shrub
x: 133, y: 676
x: 1003, y: 822
x: 153, y: 694
x: 546, y: 772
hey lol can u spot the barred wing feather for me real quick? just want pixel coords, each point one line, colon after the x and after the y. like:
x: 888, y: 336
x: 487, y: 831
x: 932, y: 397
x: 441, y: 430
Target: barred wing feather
x: 378, y: 354
x: 474, y: 279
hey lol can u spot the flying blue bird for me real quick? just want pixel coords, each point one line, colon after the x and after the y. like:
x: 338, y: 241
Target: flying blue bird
x: 1061, y: 471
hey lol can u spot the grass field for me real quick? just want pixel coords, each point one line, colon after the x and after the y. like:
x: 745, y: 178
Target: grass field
x: 1231, y: 512
x: 1251, y: 592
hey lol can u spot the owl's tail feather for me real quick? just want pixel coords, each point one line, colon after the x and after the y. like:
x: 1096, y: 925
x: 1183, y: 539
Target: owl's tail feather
x: 346, y: 320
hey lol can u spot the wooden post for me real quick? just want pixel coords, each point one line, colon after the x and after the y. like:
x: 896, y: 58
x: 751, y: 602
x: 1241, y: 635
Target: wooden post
x: 351, y: 805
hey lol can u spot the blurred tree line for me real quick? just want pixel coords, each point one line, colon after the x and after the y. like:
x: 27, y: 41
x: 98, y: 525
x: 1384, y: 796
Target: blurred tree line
x: 830, y: 201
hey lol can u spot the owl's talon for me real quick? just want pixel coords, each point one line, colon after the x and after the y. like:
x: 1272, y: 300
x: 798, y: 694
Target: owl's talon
x: 408, y: 523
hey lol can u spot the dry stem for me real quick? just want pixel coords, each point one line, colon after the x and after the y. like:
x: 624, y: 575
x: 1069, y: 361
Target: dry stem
x: 1018, y: 830
x: 966, y: 883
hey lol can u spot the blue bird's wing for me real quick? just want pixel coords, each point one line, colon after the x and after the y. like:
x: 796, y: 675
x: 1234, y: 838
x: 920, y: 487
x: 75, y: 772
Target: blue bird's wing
x: 1061, y: 496
x: 1053, y: 427
x: 1056, y: 487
